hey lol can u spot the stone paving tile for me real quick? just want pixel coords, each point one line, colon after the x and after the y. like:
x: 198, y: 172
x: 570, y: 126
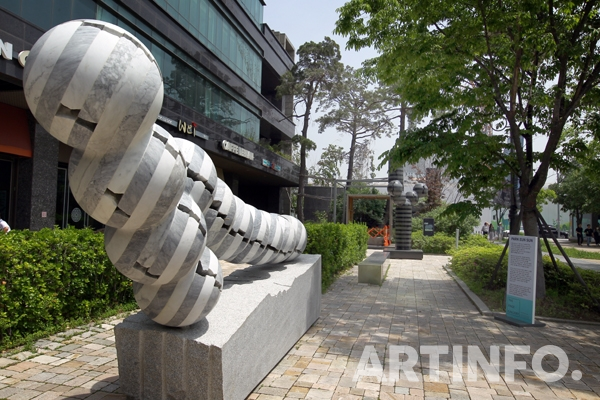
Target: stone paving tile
x: 418, y: 305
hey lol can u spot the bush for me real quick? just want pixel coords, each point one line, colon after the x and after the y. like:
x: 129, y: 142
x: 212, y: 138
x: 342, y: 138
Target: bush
x: 340, y: 246
x: 55, y: 275
x: 475, y: 241
x: 475, y: 265
x: 439, y: 243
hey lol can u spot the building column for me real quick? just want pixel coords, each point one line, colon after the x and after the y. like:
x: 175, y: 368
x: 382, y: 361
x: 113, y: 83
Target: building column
x: 36, y: 182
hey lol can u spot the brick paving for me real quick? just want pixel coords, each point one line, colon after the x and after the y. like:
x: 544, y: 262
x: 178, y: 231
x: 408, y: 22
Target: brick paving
x: 418, y: 305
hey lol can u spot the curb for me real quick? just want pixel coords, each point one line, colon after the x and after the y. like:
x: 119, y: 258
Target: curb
x: 479, y: 304
x: 484, y: 310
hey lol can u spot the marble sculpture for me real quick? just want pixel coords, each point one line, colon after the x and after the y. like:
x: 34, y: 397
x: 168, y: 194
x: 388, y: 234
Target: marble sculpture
x: 169, y: 218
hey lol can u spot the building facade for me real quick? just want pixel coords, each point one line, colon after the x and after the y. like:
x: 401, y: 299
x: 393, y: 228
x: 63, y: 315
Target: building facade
x: 221, y: 65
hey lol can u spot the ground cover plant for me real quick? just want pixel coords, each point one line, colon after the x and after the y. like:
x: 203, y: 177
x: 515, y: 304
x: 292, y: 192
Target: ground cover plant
x: 565, y: 296
x: 55, y: 278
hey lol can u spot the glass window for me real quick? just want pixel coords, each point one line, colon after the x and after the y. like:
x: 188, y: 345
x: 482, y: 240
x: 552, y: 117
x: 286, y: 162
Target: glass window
x: 195, y: 16
x: 37, y: 12
x: 11, y: 5
x: 205, y: 22
x: 83, y: 9
x: 185, y: 80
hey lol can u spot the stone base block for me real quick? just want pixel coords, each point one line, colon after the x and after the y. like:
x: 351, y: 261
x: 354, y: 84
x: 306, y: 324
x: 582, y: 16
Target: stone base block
x: 406, y: 254
x: 261, y: 314
x: 373, y: 268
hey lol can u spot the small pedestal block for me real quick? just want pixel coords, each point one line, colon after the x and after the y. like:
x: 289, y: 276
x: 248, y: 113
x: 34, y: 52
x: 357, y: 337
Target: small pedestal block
x: 373, y: 268
x: 262, y: 313
x: 406, y: 254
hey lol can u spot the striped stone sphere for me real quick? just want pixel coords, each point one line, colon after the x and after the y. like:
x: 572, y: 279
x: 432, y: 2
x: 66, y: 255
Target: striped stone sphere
x: 169, y: 218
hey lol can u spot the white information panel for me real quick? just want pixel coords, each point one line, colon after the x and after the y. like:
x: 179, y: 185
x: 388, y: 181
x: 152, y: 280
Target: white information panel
x: 520, y: 285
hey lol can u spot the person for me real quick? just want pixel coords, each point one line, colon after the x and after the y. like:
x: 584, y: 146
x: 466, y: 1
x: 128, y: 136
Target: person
x: 4, y: 226
x: 597, y: 235
x: 579, y: 231
x: 485, y: 229
x: 589, y: 233
x: 492, y: 232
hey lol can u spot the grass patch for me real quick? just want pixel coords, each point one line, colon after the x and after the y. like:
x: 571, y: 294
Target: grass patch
x: 565, y: 297
x: 573, y: 252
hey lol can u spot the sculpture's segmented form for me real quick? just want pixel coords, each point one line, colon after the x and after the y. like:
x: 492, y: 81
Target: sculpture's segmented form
x: 168, y: 217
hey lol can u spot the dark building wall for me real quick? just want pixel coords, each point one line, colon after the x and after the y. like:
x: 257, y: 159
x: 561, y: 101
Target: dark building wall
x: 36, y: 187
x: 319, y: 199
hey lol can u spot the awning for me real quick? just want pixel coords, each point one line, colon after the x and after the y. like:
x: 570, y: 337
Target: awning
x: 14, y: 131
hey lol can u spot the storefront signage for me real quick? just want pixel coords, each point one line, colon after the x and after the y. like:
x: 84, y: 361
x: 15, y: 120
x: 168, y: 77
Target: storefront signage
x: 235, y: 149
x: 271, y: 165
x: 167, y: 121
x: 189, y: 128
x: 6, y: 50
x: 184, y: 127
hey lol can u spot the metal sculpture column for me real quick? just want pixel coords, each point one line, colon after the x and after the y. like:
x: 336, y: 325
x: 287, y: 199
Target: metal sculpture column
x: 404, y: 203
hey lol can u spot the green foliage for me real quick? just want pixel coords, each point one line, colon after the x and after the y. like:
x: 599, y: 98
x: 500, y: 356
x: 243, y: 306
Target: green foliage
x: 577, y: 193
x: 439, y: 243
x: 368, y: 211
x: 475, y: 266
x: 475, y: 241
x: 447, y: 221
x: 357, y: 108
x: 311, y: 77
x: 328, y: 166
x: 492, y: 77
x: 55, y: 275
x: 340, y: 246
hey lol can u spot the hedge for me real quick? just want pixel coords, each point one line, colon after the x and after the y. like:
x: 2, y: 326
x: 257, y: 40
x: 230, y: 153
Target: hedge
x: 476, y: 264
x: 439, y: 243
x: 340, y: 246
x: 55, y: 275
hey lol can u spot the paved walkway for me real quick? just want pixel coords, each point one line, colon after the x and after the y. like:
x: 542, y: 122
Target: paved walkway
x: 418, y: 305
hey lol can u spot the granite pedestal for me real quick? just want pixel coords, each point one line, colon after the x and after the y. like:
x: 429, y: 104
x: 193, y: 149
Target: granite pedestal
x: 406, y: 254
x: 262, y: 313
x: 373, y: 268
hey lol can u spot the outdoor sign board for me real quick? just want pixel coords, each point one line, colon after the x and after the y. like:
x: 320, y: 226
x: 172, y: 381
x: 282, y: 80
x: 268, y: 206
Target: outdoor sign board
x: 520, y: 285
x: 428, y: 227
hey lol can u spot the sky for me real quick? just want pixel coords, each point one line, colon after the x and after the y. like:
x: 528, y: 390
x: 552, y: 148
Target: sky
x: 312, y: 20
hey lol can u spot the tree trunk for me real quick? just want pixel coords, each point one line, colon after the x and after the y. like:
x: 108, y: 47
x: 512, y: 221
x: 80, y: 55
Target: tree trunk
x: 513, y: 216
x: 530, y: 226
x: 349, y: 175
x: 301, y: 182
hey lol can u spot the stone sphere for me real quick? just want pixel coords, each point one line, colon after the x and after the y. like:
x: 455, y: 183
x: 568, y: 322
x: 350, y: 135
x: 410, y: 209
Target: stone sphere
x: 395, y: 188
x: 412, y: 197
x: 90, y: 81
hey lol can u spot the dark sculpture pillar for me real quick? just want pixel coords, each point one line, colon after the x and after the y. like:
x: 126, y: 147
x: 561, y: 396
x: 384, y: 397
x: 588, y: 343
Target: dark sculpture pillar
x: 404, y: 203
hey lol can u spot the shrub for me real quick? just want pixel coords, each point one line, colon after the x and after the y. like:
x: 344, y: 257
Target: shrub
x: 340, y: 246
x: 475, y: 241
x: 439, y: 243
x: 475, y: 265
x: 55, y: 275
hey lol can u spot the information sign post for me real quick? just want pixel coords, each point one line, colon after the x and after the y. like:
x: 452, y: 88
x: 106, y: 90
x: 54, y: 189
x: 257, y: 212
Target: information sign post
x: 520, y: 283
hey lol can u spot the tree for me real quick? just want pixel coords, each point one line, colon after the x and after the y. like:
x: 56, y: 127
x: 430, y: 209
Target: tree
x: 315, y: 72
x: 578, y: 194
x: 524, y: 68
x: 356, y: 107
x: 328, y: 167
x: 578, y: 190
x: 447, y: 221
